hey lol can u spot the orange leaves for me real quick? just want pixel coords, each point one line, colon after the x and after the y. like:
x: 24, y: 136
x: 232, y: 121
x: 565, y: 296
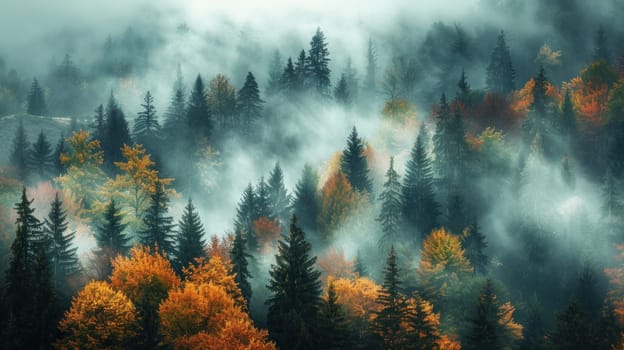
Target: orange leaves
x: 616, y: 284
x: 220, y: 247
x: 214, y: 271
x: 333, y: 263
x: 99, y: 318
x: 399, y: 110
x: 83, y: 151
x: 358, y: 296
x: 521, y: 100
x: 337, y: 201
x: 267, y: 232
x: 505, y: 319
x: 496, y: 111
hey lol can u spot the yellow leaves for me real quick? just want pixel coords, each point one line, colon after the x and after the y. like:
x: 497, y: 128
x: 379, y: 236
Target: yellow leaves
x: 337, y: 201
x: 358, y: 296
x: 220, y: 247
x: 521, y: 100
x: 83, y: 150
x: 99, y: 318
x: 399, y: 110
x: 447, y: 343
x: 333, y: 263
x: 505, y: 319
x: 214, y: 271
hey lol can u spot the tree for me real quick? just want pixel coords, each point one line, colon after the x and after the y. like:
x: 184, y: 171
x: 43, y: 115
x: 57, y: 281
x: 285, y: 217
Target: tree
x: 222, y: 101
x: 249, y: 105
x: 263, y: 201
x: 463, y: 94
x: 215, y: 271
x: 390, y: 215
x: 157, y: 231
x: 358, y: 265
x: 146, y: 127
x: 371, y: 68
x: 40, y: 157
x: 302, y: 76
x: 96, y: 305
x: 317, y: 64
x: 116, y: 134
x: 419, y: 205
x: 199, y: 121
x: 99, y: 124
x: 278, y: 195
x: 36, y: 103
x: 45, y: 309
x: 31, y: 226
x: 338, y: 201
x: 288, y: 81
x: 342, y: 93
x: 145, y: 277
x: 275, y: 74
x: 334, y: 332
x: 449, y: 144
x: 19, y: 152
x: 59, y: 168
x: 295, y: 293
x: 174, y: 126
x: 474, y: 243
x: 354, y: 165
x: 424, y: 325
x: 393, y: 313
x: 571, y: 329
x: 351, y: 80
x: 190, y: 238
x: 246, y: 214
x: 601, y: 46
x: 306, y: 204
x: 110, y: 238
x: 62, y: 253
x: 500, y: 71
x: 240, y: 263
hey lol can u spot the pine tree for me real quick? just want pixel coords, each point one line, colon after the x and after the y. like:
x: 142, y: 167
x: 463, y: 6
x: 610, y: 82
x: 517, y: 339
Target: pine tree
x: 288, y: 80
x: 249, y: 105
x: 157, y: 228
x: 450, y: 148
x: 31, y: 226
x: 59, y: 167
x: 190, y: 238
x: 342, y: 93
x: 571, y: 331
x: 44, y: 301
x: 318, y: 64
x: 278, y: 195
x: 302, y: 76
x: 146, y: 127
x: 334, y: 332
x: 275, y: 74
x: 36, y: 103
x: 474, y: 245
x: 354, y: 165
x: 483, y: 332
x: 40, y: 157
x: 240, y: 265
x: 455, y: 214
x: 352, y: 80
x: 245, y: 217
x: 295, y: 293
x: 62, y: 254
x: 174, y: 126
x: 601, y: 46
x: 371, y: 68
x: 390, y: 215
x: 116, y: 134
x: 306, y: 203
x: 99, y: 124
x: 387, y: 324
x: 500, y: 71
x: 419, y: 205
x: 19, y: 152
x: 110, y: 238
x: 463, y: 94
x: 199, y: 121
x: 358, y: 265
x: 263, y: 201
x: 424, y: 333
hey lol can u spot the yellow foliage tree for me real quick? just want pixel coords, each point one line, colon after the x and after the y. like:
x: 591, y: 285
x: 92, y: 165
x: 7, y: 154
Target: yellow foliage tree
x: 99, y: 318
x: 214, y: 271
x: 333, y: 263
x: 220, y: 247
x: 358, y: 297
x: 337, y: 201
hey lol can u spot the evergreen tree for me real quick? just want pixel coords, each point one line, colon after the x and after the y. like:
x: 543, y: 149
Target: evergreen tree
x: 571, y: 329
x: 450, y: 148
x: 358, y: 265
x: 390, y: 215
x: 157, y: 226
x: 342, y: 94
x: 317, y: 64
x: 566, y: 172
x: 352, y: 80
x: 19, y: 153
x: 483, y: 331
x: 174, y: 127
x: 288, y: 81
x: 116, y: 134
x: 371, y: 68
x: 611, y: 195
x: 278, y: 195
x: 249, y: 105
x: 500, y: 71
x: 31, y: 226
x: 59, y: 167
x: 295, y: 293
x: 464, y: 91
x: 263, y: 201
x: 306, y: 203
x: 354, y: 165
x: 44, y: 301
x: 190, y: 237
x: 474, y: 244
x: 245, y: 217
x: 424, y: 333
x: 199, y: 121
x: 110, y: 238
x: 275, y: 74
x: 302, y: 78
x: 601, y: 46
x: 146, y: 127
x: 334, y: 332
x: 65, y: 88
x: 36, y: 103
x: 240, y: 265
x: 533, y: 334
x: 455, y: 214
x: 99, y: 124
x: 40, y: 157
x: 387, y: 324
x: 62, y: 254
x: 419, y: 205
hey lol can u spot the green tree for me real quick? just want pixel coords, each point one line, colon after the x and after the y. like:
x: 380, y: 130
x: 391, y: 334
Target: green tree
x: 390, y: 215
x: 500, y: 71
x: 19, y: 152
x: 342, y: 93
x: 288, y: 80
x: 190, y: 238
x: 249, y: 105
x: 99, y: 124
x: 278, y: 195
x: 116, y: 134
x: 263, y: 201
x: 295, y: 293
x: 36, y: 103
x: 354, y: 165
x: 245, y: 217
x: 567, y: 122
x: 302, y: 76
x: 306, y: 202
x: 474, y: 244
x: 40, y: 157
x: 571, y: 329
x: 463, y: 94
x: 334, y: 332
x: 110, y: 237
x: 317, y: 64
x: 424, y: 332
x: 371, y: 68
x: 59, y: 149
x: 174, y: 126
x: 240, y: 265
x: 199, y: 121
x: 146, y: 127
x: 157, y: 228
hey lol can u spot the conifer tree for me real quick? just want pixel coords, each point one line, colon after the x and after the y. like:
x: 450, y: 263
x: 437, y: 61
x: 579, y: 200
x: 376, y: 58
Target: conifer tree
x: 31, y: 226
x: 40, y: 157
x: 278, y: 195
x: 110, y: 237
x: 44, y: 301
x: 19, y: 153
x: 157, y: 228
x: 424, y: 332
x: 306, y: 203
x: 371, y: 68
x: 354, y: 165
x: 455, y: 214
x: 245, y: 217
x: 474, y: 245
x: 240, y: 265
x: 62, y: 254
x: 387, y: 324
x: 483, y: 332
x: 59, y: 167
x: 99, y: 124
x: 174, y: 126
x: 295, y: 293
x: 288, y: 80
x: 36, y: 103
x: 317, y: 64
x: 146, y: 127
x: 601, y: 46
x: 419, y: 205
x: 463, y: 94
x: 342, y: 93
x: 352, y: 80
x: 302, y: 77
x: 275, y: 74
x: 500, y: 71
x: 190, y: 238
x: 116, y: 134
x: 334, y: 332
x: 249, y: 105
x: 571, y: 329
x: 263, y: 201
x: 390, y: 215
x: 198, y: 116
x: 358, y: 265
x: 450, y: 148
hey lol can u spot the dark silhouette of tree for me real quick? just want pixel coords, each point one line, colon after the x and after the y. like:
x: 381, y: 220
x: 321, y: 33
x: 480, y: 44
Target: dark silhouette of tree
x: 146, y: 127
x: 601, y: 46
x: 36, y: 103
x: 500, y: 71
x: 342, y: 93
x: 317, y: 64
x: 198, y: 116
x: 190, y: 238
x: 249, y: 105
x: 157, y: 231
x: 58, y: 167
x: 474, y: 245
x: 110, y: 237
x: 302, y: 76
x: 334, y: 331
x: 19, y: 153
x: 306, y: 202
x: 98, y: 126
x: 116, y: 134
x: 371, y: 68
x: 424, y: 333
x: 278, y: 195
x: 288, y: 80
x: 354, y: 165
x: 246, y: 214
x: 240, y: 265
x: 40, y: 157
x: 391, y: 207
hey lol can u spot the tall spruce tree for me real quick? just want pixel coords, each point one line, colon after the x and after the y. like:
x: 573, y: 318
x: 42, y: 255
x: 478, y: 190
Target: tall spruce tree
x: 424, y: 333
x: 190, y: 238
x: 334, y: 332
x: 147, y: 130
x: 302, y: 76
x: 352, y: 80
x: 198, y: 116
x: 40, y: 157
x: 390, y: 215
x: 306, y: 202
x: 249, y: 105
x: 60, y: 148
x: 288, y: 80
x: 31, y: 226
x: 342, y: 93
x: 278, y: 195
x: 295, y: 289
x: 98, y: 126
x: 240, y: 265
x: 44, y: 300
x: 263, y: 201
x: 116, y: 134
x: 568, y: 123
x: 393, y: 312
x: 318, y: 64
x: 110, y: 237
x: 420, y: 208
x: 450, y: 148
x: 358, y: 265
x: 474, y: 244
x: 354, y: 165
x: 158, y: 228
x: 464, y: 91
x: 19, y: 153
x: 500, y: 71
x: 571, y: 329
x: 246, y: 214
x: 35, y: 102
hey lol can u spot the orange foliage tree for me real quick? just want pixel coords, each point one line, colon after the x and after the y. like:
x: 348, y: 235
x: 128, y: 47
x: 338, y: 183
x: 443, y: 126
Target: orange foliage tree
x: 358, y: 297
x: 220, y: 247
x: 333, y: 263
x: 217, y: 272
x: 267, y: 232
x: 337, y: 201
x: 99, y: 318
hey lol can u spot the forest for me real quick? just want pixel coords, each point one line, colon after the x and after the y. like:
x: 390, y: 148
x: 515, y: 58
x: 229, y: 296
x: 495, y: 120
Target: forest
x: 312, y: 175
